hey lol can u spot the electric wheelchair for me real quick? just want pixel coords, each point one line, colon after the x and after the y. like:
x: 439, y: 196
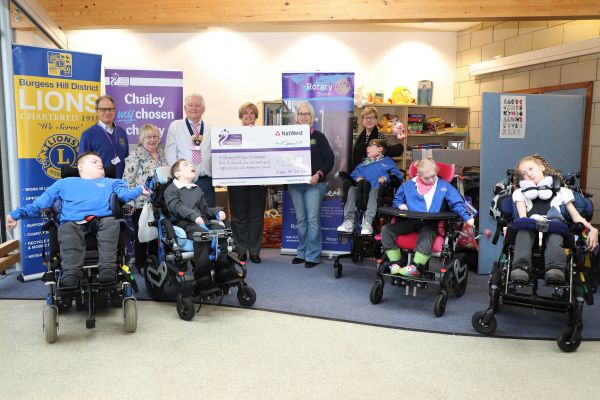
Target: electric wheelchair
x: 453, y: 272
x: 90, y: 291
x: 175, y: 252
x: 568, y: 297
x: 364, y: 246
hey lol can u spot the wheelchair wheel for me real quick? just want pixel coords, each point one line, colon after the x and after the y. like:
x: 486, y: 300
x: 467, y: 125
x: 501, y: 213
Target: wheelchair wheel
x: 337, y: 267
x: 130, y: 315
x: 185, y: 308
x: 439, y: 305
x: 480, y: 326
x: 155, y: 292
x: 459, y: 263
x: 246, y: 295
x: 570, y: 339
x: 355, y: 250
x: 377, y: 292
x: 50, y: 323
x: 64, y: 305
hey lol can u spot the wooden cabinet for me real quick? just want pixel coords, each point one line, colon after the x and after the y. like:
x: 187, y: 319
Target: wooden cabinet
x: 454, y: 134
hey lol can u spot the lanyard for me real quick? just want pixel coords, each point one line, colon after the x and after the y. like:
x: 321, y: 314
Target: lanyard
x: 189, y: 126
x: 108, y: 136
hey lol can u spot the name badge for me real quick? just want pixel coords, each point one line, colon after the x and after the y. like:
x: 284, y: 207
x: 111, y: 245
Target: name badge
x: 197, y: 148
x: 115, y: 160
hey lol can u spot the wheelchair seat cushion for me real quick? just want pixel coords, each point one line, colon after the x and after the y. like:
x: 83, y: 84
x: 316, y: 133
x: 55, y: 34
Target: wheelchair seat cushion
x: 182, y: 240
x: 409, y: 242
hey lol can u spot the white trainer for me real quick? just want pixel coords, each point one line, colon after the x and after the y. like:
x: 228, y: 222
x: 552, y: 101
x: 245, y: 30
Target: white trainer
x: 347, y: 226
x: 367, y: 228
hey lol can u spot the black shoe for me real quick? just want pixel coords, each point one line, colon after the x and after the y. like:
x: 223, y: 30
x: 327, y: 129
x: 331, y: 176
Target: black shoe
x: 297, y: 260
x: 255, y: 259
x: 107, y: 275
x: 310, y: 264
x: 520, y: 275
x: 69, y: 282
x: 554, y: 276
x: 205, y: 285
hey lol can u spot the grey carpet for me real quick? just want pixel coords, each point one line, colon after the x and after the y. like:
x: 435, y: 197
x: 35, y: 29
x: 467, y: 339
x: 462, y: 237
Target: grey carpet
x: 287, y: 288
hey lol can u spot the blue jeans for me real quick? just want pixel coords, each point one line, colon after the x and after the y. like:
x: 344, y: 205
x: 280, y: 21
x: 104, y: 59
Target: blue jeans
x: 307, y: 201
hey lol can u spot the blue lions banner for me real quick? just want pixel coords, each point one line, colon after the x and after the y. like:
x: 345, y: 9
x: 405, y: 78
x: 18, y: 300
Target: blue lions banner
x: 332, y: 97
x: 55, y: 94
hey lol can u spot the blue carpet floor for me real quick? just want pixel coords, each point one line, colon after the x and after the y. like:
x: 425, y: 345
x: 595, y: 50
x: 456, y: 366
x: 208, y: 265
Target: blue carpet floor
x: 287, y: 288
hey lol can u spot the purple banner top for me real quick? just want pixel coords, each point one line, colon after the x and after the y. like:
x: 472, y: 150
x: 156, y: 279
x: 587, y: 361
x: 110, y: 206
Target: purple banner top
x: 145, y: 97
x: 142, y: 73
x: 262, y: 150
x: 318, y: 85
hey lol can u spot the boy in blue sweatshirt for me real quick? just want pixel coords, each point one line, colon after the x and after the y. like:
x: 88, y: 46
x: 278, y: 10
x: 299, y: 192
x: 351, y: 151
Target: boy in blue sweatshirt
x: 425, y: 193
x: 375, y: 169
x: 83, y: 198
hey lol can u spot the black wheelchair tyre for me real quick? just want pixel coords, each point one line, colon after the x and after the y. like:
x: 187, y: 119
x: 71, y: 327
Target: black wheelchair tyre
x: 355, y: 251
x: 570, y: 339
x: 64, y: 304
x: 155, y: 292
x: 484, y: 329
x: 439, y: 305
x: 460, y: 288
x: 337, y: 269
x: 376, y: 292
x: 246, y: 295
x: 185, y: 308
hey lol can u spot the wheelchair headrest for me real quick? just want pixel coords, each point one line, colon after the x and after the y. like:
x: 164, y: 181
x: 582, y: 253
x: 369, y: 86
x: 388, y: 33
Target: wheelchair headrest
x: 163, y: 174
x: 445, y: 171
x: 72, y: 172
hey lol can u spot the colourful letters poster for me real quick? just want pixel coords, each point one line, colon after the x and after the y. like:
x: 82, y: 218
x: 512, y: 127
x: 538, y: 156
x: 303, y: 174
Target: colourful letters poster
x: 513, y: 115
x: 55, y: 94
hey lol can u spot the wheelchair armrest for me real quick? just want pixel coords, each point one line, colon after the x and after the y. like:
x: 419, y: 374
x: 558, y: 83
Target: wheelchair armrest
x: 345, y: 176
x: 167, y: 226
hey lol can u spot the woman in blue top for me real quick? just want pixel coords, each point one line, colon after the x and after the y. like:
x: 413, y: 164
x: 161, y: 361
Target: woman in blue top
x: 425, y: 193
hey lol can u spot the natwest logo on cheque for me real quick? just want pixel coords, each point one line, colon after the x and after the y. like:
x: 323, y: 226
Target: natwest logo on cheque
x: 288, y: 133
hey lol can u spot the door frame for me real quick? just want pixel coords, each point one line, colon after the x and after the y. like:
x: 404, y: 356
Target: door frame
x: 585, y: 144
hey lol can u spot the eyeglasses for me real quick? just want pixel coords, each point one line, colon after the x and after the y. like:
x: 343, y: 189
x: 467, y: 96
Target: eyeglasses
x: 300, y: 114
x: 105, y: 109
x: 369, y: 118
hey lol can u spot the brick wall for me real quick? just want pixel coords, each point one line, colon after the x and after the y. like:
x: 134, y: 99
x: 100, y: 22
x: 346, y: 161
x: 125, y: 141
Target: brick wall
x: 488, y: 39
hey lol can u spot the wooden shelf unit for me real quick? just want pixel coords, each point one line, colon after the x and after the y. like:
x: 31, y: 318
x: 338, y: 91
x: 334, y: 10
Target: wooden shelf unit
x: 458, y: 116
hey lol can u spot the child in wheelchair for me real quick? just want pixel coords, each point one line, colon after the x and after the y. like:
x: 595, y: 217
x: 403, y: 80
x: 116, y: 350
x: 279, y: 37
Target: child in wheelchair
x: 537, y: 197
x: 423, y: 193
x: 188, y: 210
x: 85, y: 208
x: 374, y: 171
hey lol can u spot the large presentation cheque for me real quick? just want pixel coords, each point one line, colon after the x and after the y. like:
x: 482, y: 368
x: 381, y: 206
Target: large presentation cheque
x: 260, y: 155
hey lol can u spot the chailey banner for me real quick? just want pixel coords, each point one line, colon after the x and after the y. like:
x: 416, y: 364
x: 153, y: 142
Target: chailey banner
x: 331, y: 95
x: 145, y: 97
x: 55, y: 94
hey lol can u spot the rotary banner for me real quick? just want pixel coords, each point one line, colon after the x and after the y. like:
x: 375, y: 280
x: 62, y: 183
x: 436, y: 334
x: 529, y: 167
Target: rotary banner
x: 55, y: 94
x: 332, y: 97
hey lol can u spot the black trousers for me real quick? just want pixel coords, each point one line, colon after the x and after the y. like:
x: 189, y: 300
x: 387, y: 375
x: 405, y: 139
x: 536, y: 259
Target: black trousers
x: 247, y: 205
x: 141, y: 251
x: 202, y: 250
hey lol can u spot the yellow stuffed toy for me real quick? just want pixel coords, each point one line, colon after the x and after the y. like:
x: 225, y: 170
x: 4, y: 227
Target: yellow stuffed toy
x: 386, y: 123
x: 401, y: 95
